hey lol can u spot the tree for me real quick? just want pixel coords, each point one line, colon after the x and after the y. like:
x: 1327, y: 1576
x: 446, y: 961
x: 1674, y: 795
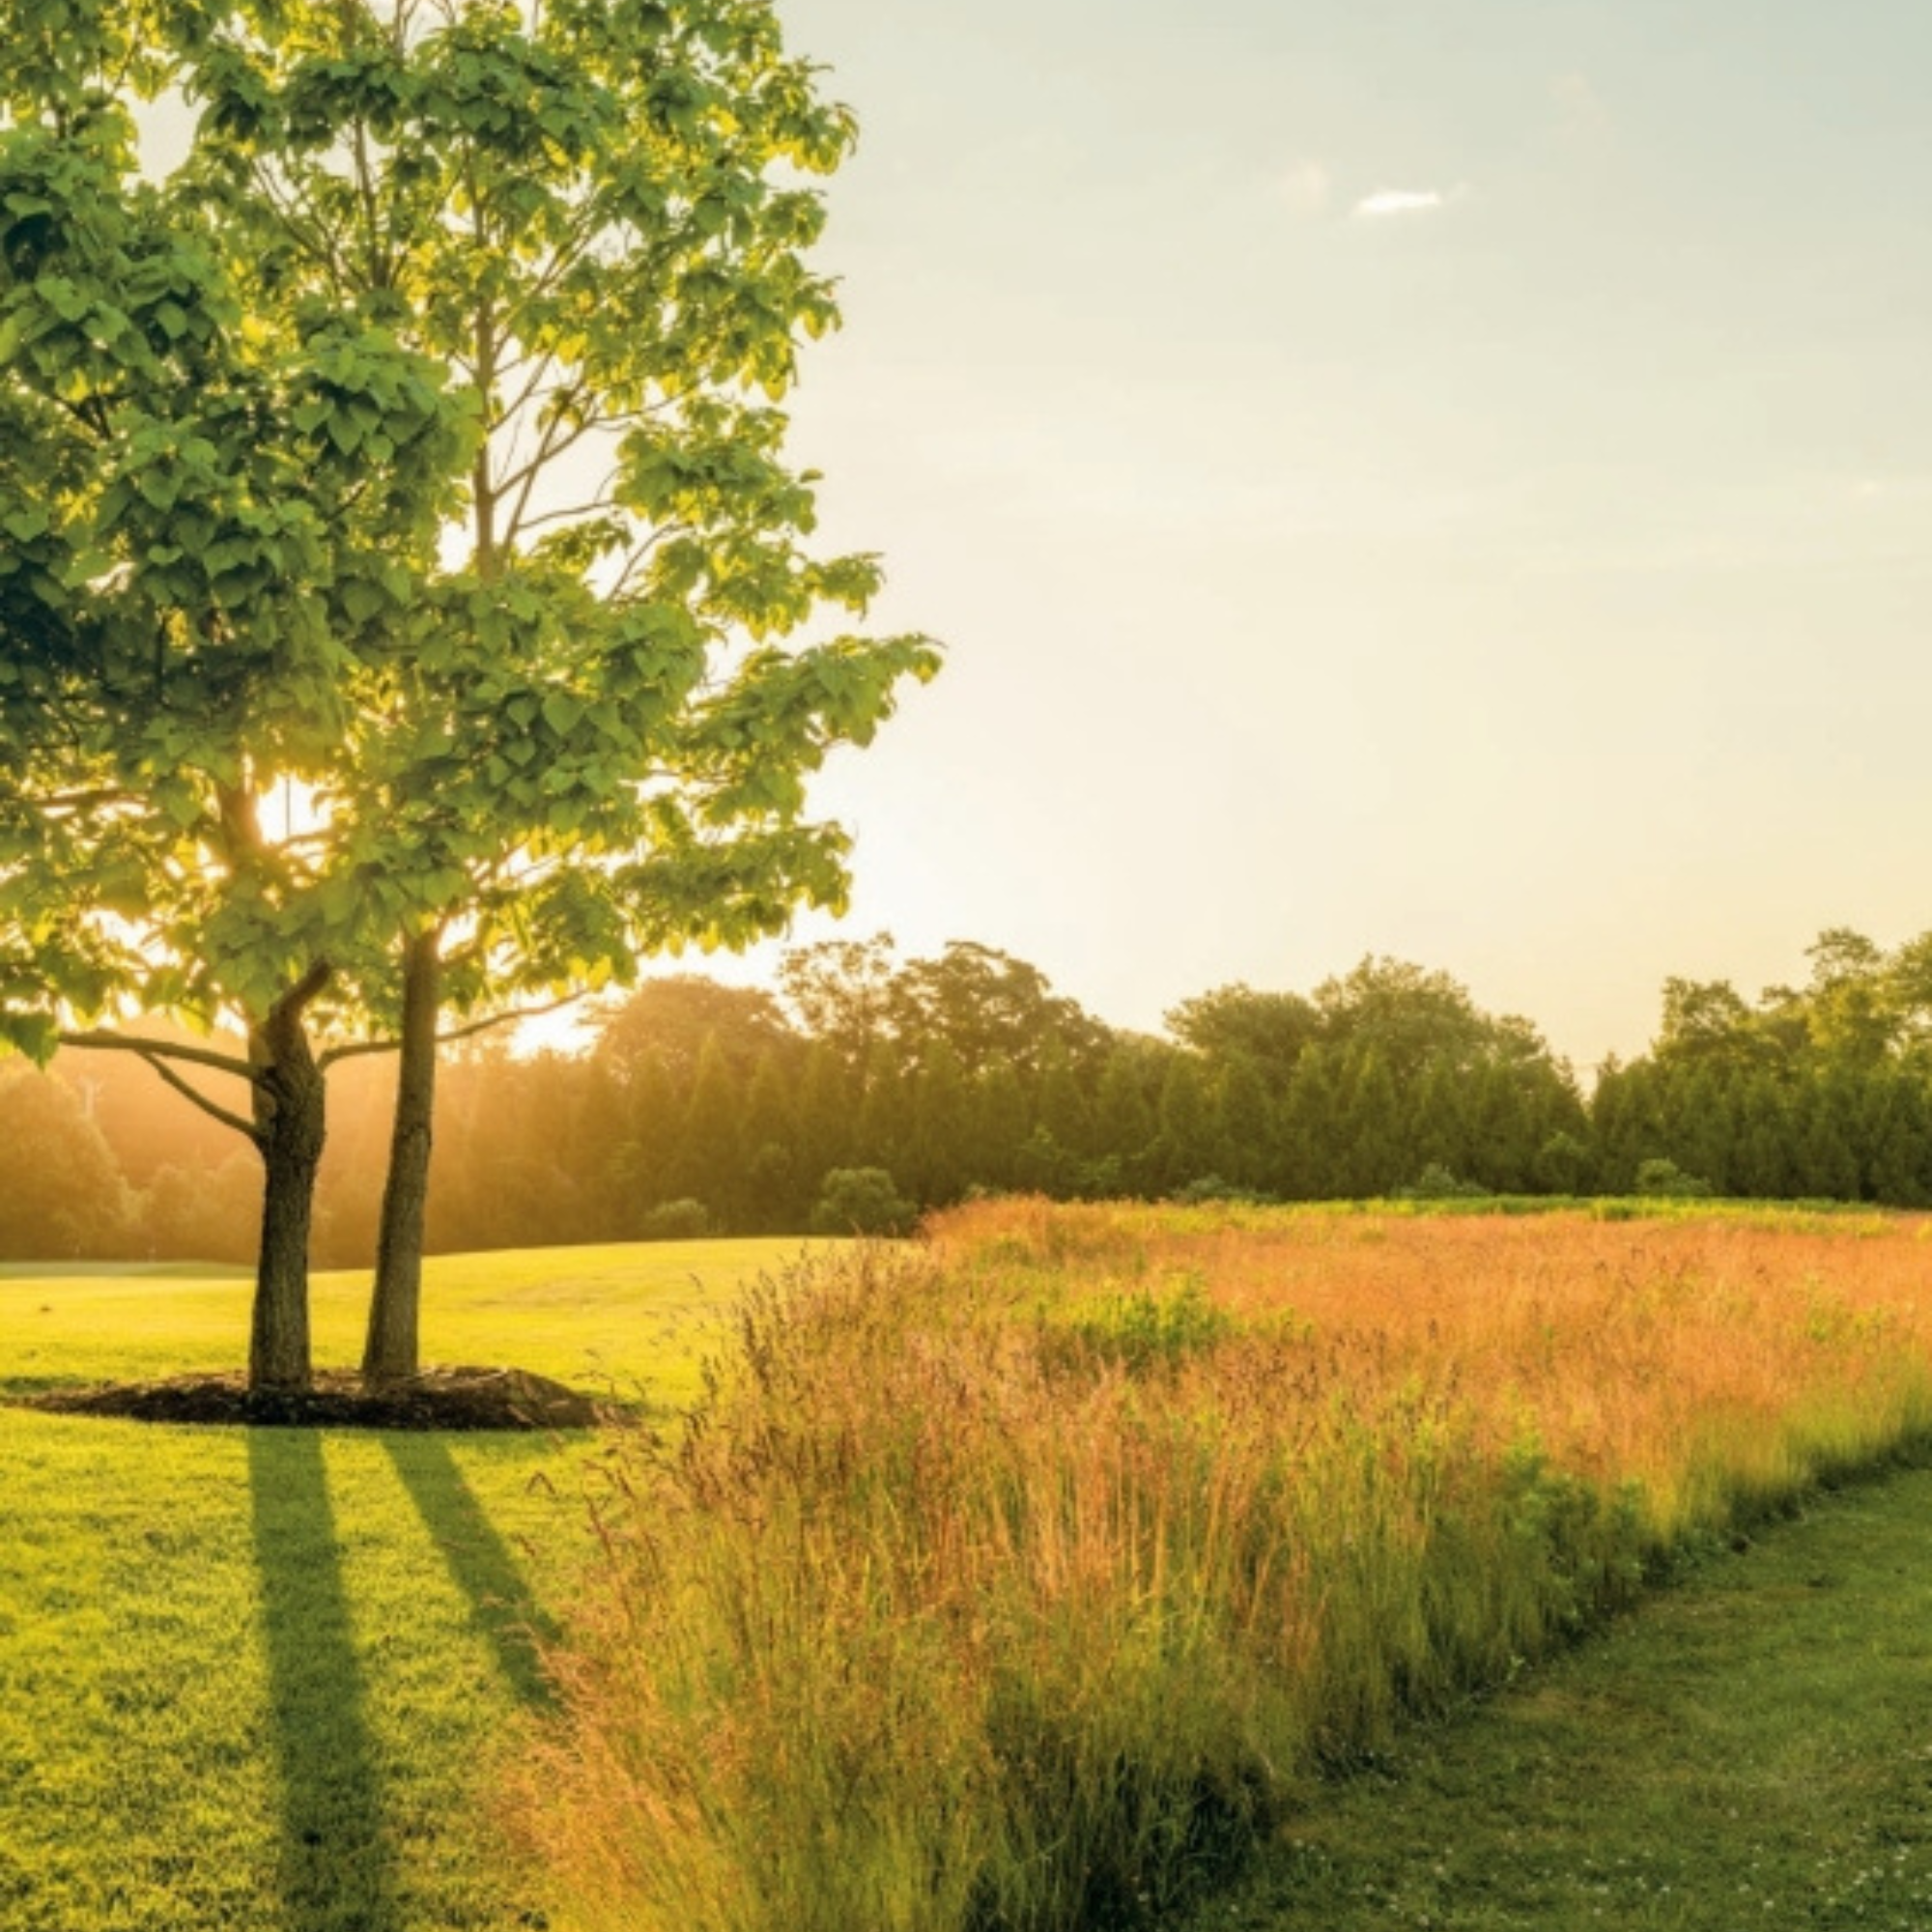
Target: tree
x: 193, y: 561
x: 942, y: 1135
x: 1001, y: 1121
x: 1125, y: 1122
x: 1186, y: 1148
x: 1705, y: 1020
x: 774, y: 1191
x: 1245, y: 1123
x: 1408, y: 1014
x: 669, y: 1019
x: 60, y: 1193
x: 1269, y: 1030
x: 840, y: 989
x: 987, y: 1004
x: 590, y: 735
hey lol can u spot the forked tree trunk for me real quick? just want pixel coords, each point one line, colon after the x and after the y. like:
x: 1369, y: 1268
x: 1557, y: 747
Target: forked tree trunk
x: 290, y: 1126
x: 392, y: 1352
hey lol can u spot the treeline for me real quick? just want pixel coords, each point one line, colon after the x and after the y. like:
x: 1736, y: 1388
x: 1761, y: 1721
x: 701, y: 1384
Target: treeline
x: 867, y: 1087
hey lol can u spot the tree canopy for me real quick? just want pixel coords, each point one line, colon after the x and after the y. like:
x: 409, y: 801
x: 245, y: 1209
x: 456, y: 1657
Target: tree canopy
x: 415, y: 462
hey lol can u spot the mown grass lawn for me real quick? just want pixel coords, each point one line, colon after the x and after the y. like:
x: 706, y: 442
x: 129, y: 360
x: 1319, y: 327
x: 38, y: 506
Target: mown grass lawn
x: 1752, y: 1748
x: 254, y: 1679
x: 633, y: 1318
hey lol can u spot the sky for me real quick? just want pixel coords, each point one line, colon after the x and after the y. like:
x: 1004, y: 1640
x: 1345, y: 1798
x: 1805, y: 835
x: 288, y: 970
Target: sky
x: 1442, y: 479
x: 1446, y: 479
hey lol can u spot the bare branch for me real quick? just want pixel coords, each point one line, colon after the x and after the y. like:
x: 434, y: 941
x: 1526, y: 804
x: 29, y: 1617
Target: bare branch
x: 522, y: 526
x: 640, y: 553
x: 557, y: 436
x: 302, y: 219
x: 80, y: 801
x: 540, y: 367
x: 357, y: 1048
x: 212, y: 1109
x: 148, y: 1049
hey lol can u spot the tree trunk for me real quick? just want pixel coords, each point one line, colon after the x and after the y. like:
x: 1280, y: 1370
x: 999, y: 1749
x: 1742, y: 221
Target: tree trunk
x: 392, y: 1352
x: 290, y: 1121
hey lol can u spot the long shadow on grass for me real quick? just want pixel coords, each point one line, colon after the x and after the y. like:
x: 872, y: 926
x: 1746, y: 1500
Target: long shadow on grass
x: 502, y: 1606
x: 337, y: 1862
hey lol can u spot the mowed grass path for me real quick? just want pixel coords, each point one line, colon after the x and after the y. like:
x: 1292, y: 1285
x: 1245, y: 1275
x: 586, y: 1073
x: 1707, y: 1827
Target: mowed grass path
x: 253, y: 1679
x: 1752, y: 1748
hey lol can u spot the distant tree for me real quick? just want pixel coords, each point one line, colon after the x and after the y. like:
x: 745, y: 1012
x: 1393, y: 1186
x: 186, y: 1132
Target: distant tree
x: 774, y: 1189
x: 1439, y: 1105
x: 1269, y: 1030
x: 1375, y: 1151
x: 828, y: 1102
x: 1705, y: 1020
x: 670, y: 1020
x: 654, y: 1118
x: 884, y: 1129
x: 939, y: 1167
x: 1244, y: 1123
x: 1315, y: 1156
x: 1405, y: 1013
x: 840, y: 991
x: 1124, y: 1119
x: 62, y: 1196
x: 1853, y: 1017
x: 1002, y: 1124
x: 984, y: 1004
x: 708, y: 1162
x: 1060, y: 1105
x: 203, y: 1216
x: 1187, y: 1146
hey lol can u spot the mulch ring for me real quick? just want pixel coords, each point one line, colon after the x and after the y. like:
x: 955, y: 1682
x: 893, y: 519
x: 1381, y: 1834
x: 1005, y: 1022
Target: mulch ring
x: 439, y: 1398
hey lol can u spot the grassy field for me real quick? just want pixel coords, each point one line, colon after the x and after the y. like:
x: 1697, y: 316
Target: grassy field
x: 253, y: 1679
x: 629, y: 1318
x: 1016, y: 1582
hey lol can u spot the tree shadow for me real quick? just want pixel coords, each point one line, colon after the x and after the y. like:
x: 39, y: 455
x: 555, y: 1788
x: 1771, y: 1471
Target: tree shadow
x: 337, y: 1859
x: 480, y: 1561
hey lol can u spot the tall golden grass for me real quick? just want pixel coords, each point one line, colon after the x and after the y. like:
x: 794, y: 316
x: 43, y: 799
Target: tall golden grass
x: 1011, y: 1582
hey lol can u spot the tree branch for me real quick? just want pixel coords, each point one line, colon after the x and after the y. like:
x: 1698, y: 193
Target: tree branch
x: 358, y: 1048
x: 148, y: 1049
x: 304, y: 991
x: 209, y: 1107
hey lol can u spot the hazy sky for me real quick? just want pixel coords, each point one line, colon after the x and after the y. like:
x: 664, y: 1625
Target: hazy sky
x: 1446, y: 478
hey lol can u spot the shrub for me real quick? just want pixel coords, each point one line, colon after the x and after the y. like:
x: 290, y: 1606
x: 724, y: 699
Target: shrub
x: 1562, y: 1165
x: 1666, y: 1181
x: 683, y: 1220
x: 1211, y: 1187
x: 1436, y: 1183
x: 1144, y: 1332
x: 861, y: 1201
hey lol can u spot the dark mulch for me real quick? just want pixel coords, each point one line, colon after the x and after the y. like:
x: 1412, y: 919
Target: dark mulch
x: 439, y: 1397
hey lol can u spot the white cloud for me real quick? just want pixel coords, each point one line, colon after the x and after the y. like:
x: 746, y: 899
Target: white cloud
x: 1389, y: 201
x: 1305, y: 188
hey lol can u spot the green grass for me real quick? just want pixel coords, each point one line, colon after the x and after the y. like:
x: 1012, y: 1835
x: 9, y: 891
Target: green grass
x: 1750, y: 1748
x: 254, y: 1680
x: 595, y: 1315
